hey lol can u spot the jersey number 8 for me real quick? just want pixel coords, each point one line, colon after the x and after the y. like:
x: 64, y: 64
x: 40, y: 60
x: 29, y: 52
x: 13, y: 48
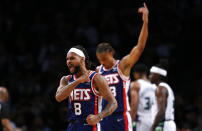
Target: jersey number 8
x: 77, y: 108
x: 113, y: 90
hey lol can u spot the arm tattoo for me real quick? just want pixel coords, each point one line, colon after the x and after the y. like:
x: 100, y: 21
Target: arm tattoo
x: 109, y: 109
x: 65, y: 91
x: 111, y: 106
x: 101, y: 85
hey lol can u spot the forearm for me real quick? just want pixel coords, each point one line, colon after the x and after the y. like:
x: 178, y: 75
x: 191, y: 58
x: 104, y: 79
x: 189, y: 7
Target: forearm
x: 158, y: 119
x: 6, y: 124
x: 134, y: 95
x: 133, y: 106
x: 109, y: 109
x: 143, y: 36
x: 8, y: 128
x: 64, y: 92
x: 133, y: 112
x: 128, y: 62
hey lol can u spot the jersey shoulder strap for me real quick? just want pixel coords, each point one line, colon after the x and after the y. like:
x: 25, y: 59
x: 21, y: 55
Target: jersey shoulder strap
x: 92, y: 76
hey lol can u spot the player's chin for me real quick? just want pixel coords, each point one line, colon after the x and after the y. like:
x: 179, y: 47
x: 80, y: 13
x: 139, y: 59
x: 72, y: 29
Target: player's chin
x: 91, y: 124
x: 72, y: 70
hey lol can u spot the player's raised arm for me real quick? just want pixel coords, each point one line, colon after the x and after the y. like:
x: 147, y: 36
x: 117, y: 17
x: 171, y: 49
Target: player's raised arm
x: 101, y: 85
x: 128, y: 61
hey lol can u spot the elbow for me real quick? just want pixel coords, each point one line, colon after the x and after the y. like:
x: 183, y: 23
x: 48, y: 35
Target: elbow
x: 115, y: 105
x: 141, y: 48
x: 58, y: 98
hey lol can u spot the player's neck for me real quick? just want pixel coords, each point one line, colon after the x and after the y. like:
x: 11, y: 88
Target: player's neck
x: 111, y: 64
x: 145, y: 78
x: 80, y: 73
x: 158, y: 82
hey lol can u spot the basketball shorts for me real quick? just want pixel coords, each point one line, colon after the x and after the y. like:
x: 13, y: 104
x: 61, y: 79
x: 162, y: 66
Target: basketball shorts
x: 82, y: 126
x: 117, y: 122
x: 166, y: 126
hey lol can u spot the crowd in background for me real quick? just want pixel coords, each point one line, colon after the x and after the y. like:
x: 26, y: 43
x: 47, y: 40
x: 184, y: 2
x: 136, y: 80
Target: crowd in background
x: 36, y: 35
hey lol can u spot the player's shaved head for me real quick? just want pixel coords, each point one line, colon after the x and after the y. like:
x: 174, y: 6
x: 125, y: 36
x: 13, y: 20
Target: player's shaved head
x: 3, y: 94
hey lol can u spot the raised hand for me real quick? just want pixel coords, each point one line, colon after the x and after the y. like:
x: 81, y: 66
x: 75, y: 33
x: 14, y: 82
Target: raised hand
x: 145, y: 13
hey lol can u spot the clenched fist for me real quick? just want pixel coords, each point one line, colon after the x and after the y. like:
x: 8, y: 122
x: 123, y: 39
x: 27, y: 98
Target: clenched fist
x: 92, y: 119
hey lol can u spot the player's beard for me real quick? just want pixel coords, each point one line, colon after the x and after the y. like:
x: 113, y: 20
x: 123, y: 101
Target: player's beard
x: 76, y: 70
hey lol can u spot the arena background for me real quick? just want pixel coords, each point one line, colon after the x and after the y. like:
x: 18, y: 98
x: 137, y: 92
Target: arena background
x: 35, y: 36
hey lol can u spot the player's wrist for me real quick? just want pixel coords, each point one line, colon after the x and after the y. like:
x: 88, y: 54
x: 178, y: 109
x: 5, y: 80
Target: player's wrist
x: 152, y: 128
x: 100, y: 116
x: 79, y: 80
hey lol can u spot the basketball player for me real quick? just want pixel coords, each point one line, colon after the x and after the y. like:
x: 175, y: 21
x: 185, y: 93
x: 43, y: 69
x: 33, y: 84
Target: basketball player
x: 83, y: 88
x: 4, y: 110
x: 117, y: 75
x: 164, y: 118
x: 142, y: 97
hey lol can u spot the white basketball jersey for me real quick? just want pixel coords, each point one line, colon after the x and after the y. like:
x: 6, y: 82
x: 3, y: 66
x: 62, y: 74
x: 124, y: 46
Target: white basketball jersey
x: 146, y: 99
x: 169, y: 114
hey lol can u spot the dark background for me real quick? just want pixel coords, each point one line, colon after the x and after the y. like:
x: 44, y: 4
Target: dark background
x: 36, y: 35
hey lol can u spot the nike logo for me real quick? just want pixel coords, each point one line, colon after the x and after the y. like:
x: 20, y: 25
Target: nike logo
x: 85, y: 124
x: 118, y: 120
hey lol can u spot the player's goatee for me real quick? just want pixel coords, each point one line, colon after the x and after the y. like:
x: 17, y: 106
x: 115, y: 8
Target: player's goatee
x: 76, y: 70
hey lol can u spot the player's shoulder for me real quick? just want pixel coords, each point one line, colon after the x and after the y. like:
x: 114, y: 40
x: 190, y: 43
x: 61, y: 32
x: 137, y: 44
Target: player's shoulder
x: 163, y: 84
x: 166, y: 86
x: 143, y: 82
x: 135, y: 85
x: 98, y: 68
x: 162, y: 89
x: 97, y: 76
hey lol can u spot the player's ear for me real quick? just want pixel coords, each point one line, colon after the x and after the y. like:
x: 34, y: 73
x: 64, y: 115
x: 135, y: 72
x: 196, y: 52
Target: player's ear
x: 111, y: 53
x: 82, y: 59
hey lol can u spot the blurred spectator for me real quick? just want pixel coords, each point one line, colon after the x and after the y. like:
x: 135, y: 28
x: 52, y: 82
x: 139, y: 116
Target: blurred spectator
x: 199, y: 127
x: 5, y: 123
